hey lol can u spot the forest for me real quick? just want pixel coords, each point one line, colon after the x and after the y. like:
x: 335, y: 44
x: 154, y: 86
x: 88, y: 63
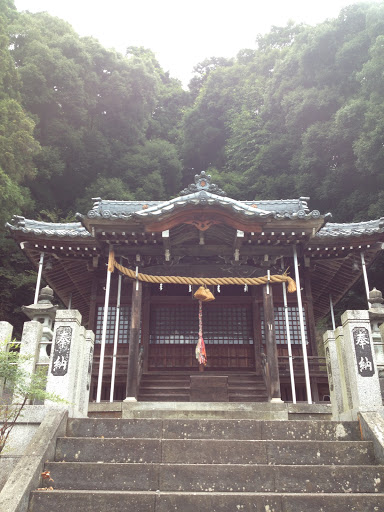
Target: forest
x: 300, y: 114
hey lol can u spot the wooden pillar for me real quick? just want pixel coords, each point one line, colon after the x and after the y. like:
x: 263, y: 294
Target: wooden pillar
x: 311, y: 328
x: 145, y: 323
x: 134, y: 339
x: 256, y: 330
x: 270, y: 339
x: 93, y: 305
x: 311, y: 325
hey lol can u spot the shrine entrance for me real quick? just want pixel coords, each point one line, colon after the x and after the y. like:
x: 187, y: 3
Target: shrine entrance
x: 233, y: 331
x: 129, y: 268
x: 227, y: 332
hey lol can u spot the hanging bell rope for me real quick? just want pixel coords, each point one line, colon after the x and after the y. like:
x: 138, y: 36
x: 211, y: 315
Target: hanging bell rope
x: 201, y: 354
x: 250, y: 281
x: 204, y: 294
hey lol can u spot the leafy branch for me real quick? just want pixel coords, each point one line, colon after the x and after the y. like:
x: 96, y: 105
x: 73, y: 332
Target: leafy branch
x: 19, y: 388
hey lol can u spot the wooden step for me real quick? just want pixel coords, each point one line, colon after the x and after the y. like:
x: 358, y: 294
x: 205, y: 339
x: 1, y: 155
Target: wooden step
x: 175, y: 386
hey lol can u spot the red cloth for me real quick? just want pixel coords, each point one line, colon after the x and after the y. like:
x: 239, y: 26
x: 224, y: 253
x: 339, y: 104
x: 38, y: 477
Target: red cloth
x: 201, y: 354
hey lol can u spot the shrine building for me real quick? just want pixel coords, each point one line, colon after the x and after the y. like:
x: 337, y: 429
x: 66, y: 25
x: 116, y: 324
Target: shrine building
x: 132, y: 268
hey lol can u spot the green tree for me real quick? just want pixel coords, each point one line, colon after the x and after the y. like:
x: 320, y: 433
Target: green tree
x: 203, y: 69
x: 21, y: 388
x: 17, y: 150
x: 155, y: 161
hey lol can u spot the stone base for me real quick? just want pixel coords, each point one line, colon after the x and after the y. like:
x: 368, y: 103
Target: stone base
x: 205, y: 410
x: 353, y: 414
x: 105, y: 409
x: 210, y: 410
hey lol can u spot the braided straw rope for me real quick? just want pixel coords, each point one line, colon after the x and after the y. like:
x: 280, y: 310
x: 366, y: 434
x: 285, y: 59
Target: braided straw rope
x: 201, y: 280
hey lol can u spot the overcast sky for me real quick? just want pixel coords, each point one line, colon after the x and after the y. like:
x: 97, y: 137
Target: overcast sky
x: 183, y: 33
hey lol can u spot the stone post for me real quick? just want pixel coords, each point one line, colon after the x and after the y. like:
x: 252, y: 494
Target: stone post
x: 66, y: 360
x: 376, y: 316
x: 344, y: 374
x: 334, y: 371
x: 361, y: 362
x: 6, y: 331
x: 80, y: 369
x: 29, y: 347
x: 84, y: 380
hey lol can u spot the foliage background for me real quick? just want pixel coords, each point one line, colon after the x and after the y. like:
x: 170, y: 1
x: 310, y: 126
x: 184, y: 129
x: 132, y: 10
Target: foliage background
x: 300, y: 114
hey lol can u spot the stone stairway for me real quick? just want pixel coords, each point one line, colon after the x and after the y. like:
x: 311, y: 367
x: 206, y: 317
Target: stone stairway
x: 226, y: 465
x: 176, y: 386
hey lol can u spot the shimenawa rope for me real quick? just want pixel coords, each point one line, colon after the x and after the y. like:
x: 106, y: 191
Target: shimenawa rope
x: 250, y: 281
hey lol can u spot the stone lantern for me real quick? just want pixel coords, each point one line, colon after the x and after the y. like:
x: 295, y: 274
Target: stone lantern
x: 44, y: 312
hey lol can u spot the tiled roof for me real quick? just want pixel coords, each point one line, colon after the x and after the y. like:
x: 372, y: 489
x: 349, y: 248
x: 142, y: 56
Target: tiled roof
x: 35, y: 227
x: 285, y: 208
x: 333, y: 230
x: 116, y: 209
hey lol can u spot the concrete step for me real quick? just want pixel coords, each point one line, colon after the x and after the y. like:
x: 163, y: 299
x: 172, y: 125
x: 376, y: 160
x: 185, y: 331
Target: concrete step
x: 221, y: 429
x: 216, y: 465
x: 216, y: 477
x: 112, y: 501
x: 211, y: 451
x: 221, y: 410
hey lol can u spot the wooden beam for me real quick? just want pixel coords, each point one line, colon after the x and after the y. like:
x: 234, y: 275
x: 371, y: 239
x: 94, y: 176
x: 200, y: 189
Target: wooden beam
x: 134, y: 339
x: 209, y: 216
x: 311, y: 324
x: 145, y: 323
x: 239, y: 239
x: 93, y: 305
x: 166, y: 244
x: 256, y: 322
x: 270, y: 339
x: 203, y: 250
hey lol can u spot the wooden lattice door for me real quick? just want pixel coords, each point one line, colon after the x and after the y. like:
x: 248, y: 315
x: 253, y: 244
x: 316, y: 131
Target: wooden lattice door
x: 227, y: 332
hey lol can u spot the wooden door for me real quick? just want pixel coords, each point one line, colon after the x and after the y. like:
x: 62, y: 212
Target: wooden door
x: 227, y: 332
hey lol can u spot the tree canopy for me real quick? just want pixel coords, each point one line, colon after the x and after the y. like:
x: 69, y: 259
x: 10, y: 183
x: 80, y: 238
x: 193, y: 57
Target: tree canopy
x: 301, y: 113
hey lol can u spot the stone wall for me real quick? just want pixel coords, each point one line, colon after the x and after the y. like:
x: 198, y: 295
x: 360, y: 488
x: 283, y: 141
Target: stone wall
x: 352, y: 365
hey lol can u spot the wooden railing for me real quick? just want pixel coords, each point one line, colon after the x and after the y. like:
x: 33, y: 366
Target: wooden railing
x: 316, y: 364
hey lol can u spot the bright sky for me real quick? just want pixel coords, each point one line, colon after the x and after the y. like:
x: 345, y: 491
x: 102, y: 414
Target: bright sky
x: 180, y: 32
